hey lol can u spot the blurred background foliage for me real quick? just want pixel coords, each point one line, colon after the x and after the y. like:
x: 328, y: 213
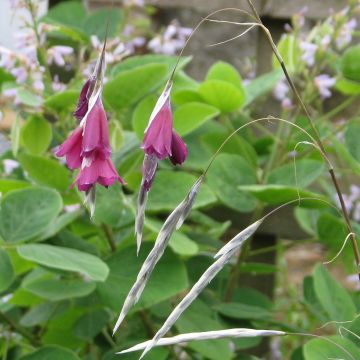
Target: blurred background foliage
x: 63, y: 277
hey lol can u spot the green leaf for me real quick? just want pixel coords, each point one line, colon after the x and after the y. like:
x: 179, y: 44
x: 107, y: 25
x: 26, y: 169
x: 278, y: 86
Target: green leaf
x: 63, y: 101
x: 58, y: 224
x: 39, y: 314
x: 128, y: 87
x: 225, y: 72
x: 347, y: 87
x: 28, y: 98
x: 190, y: 116
x: 90, y: 324
x: 15, y: 135
x: 223, y: 95
x: 36, y: 135
x: 26, y: 213
x: 141, y: 115
x: 334, y: 299
x: 51, y: 352
x: 350, y: 63
x: 321, y: 349
x: 168, y: 279
x: 95, y: 24
x: 7, y: 185
x: 262, y: 85
x: 243, y: 311
x: 170, y: 188
x: 200, y: 318
x: 45, y: 171
x: 352, y: 136
x: 56, y: 257
x: 7, y: 274
x: 307, y: 171
x: 109, y: 207
x: 183, y: 245
x: 290, y: 52
x: 57, y: 290
x: 278, y: 194
x: 116, y: 134
x: 69, y: 13
x: 184, y: 96
x: 134, y: 62
x: 225, y: 175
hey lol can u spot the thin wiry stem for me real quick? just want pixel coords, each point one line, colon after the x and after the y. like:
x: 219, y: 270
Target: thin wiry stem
x: 316, y: 135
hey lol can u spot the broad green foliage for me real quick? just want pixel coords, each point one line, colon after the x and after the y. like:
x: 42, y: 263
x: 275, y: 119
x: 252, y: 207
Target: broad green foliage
x: 26, y: 213
x: 64, y: 274
x: 226, y: 174
x: 36, y: 135
x: 65, y: 259
x: 170, y: 273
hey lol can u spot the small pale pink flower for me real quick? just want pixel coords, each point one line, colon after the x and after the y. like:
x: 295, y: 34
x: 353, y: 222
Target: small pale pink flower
x: 100, y: 171
x: 324, y: 82
x: 72, y: 149
x: 57, y: 54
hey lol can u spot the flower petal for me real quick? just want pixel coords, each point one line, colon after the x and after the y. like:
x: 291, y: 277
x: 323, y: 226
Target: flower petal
x: 71, y: 148
x: 178, y: 149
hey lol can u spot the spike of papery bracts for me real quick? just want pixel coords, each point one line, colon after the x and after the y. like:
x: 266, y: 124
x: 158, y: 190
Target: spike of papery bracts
x: 163, y: 238
x: 225, y: 254
x: 207, y: 335
x: 160, y: 141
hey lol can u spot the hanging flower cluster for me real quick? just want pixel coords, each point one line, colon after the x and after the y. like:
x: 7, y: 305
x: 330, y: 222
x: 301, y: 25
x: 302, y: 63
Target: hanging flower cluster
x: 160, y: 141
x: 88, y: 146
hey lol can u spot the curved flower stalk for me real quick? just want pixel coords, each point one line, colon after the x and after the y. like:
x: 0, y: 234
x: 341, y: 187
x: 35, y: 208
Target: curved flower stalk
x: 88, y: 146
x: 160, y: 141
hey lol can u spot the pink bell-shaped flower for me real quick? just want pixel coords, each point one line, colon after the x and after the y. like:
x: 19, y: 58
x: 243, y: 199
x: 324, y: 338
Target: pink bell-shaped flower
x: 96, y: 132
x: 71, y: 149
x: 98, y: 170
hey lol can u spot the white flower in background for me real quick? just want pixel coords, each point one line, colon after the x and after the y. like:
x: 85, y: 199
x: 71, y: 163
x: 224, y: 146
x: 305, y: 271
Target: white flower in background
x: 20, y: 74
x: 10, y: 165
x: 57, y: 54
x: 281, y: 90
x: 345, y: 34
x: 56, y: 85
x: 71, y: 208
x: 323, y: 83
x: 7, y: 58
x: 171, y: 41
x: 129, y: 3
x: 309, y: 51
x: 326, y: 40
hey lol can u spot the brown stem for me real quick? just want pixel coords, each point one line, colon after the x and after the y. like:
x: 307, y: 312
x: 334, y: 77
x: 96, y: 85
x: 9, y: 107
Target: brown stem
x: 147, y: 324
x: 316, y: 135
x: 109, y: 237
x: 19, y: 329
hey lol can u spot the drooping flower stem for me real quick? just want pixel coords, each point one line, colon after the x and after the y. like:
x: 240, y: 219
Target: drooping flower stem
x: 316, y: 135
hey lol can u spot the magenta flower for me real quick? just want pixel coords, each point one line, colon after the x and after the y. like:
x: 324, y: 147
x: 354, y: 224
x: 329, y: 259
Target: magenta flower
x: 100, y: 171
x: 71, y: 149
x: 96, y: 132
x: 88, y: 147
x: 160, y: 138
x: 178, y: 149
x: 83, y: 103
